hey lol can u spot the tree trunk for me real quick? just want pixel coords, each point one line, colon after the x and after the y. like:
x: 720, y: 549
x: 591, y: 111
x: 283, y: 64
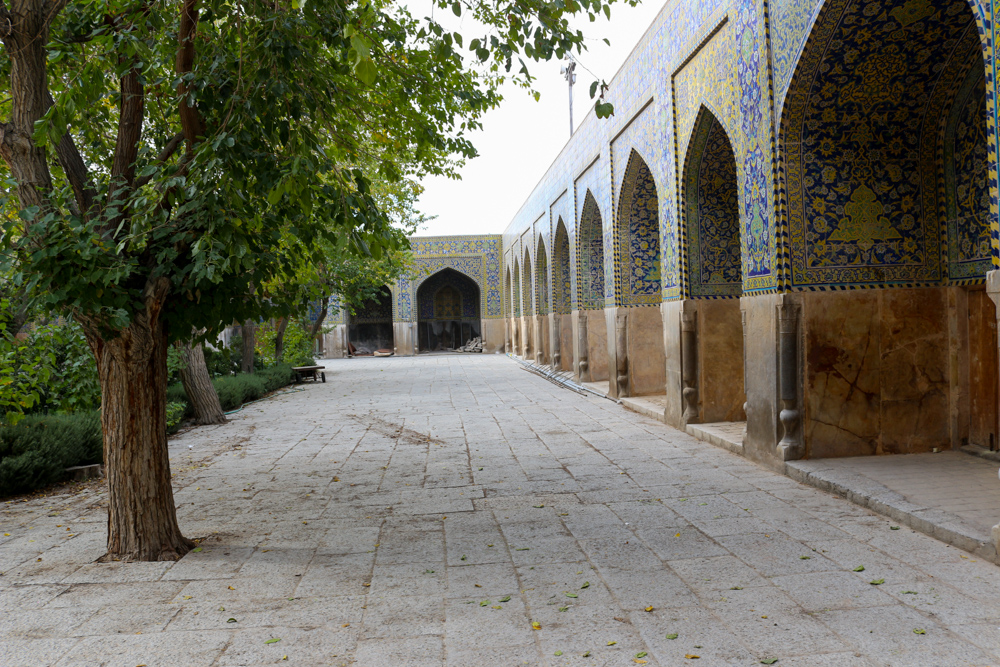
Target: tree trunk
x: 198, y: 387
x: 317, y: 326
x: 132, y: 366
x: 249, y: 342
x: 279, y: 339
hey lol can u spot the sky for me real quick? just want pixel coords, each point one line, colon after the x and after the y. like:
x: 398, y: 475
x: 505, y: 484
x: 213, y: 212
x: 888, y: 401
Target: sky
x: 522, y: 137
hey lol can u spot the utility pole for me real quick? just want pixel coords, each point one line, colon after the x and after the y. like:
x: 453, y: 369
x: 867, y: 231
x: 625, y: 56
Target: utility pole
x: 569, y: 72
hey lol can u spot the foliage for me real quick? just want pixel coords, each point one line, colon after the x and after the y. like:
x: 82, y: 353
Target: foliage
x: 298, y: 346
x: 36, y: 451
x: 175, y: 413
x: 57, y: 351
x: 176, y: 362
x: 222, y: 361
x: 23, y: 370
x: 235, y: 390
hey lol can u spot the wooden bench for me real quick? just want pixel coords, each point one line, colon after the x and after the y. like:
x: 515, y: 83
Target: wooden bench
x: 309, y: 372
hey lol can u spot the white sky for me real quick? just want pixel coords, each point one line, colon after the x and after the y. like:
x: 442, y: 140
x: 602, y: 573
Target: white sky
x: 522, y: 137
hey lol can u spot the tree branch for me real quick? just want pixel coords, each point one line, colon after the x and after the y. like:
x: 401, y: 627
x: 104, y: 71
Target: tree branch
x: 190, y: 118
x: 163, y: 156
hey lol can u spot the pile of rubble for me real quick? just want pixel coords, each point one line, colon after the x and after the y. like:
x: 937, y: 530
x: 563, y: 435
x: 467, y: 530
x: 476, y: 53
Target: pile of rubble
x: 474, y: 345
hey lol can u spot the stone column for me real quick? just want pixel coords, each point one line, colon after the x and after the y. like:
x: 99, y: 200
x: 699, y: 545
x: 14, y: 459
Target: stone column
x: 507, y: 346
x: 621, y: 351
x: 539, y: 325
x: 746, y: 384
x: 583, y: 362
x: 790, y: 447
x: 689, y: 362
x: 555, y: 330
x: 993, y: 290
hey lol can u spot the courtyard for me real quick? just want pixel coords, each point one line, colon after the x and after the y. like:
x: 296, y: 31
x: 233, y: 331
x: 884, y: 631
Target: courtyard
x: 456, y: 510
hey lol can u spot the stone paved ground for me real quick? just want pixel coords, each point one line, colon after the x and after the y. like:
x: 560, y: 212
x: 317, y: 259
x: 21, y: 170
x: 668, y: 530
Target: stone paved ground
x: 954, y: 482
x: 427, y: 511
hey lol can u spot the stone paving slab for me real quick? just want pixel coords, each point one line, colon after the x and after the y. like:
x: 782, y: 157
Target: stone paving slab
x: 428, y: 511
x: 949, y: 495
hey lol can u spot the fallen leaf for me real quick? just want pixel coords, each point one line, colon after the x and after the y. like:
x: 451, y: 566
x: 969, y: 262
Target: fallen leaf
x: 188, y: 597
x: 893, y: 527
x: 585, y: 654
x: 859, y: 568
x: 232, y: 620
x: 910, y: 593
x: 367, y: 584
x: 273, y: 641
x: 672, y: 635
x: 586, y: 584
x: 691, y: 656
x: 563, y: 608
x: 196, y: 549
x: 877, y: 582
x: 804, y: 557
x: 484, y: 603
x: 557, y: 653
x: 641, y: 654
x: 736, y: 588
x: 345, y: 625
x: 768, y: 661
x: 231, y: 588
x: 538, y: 507
x: 535, y: 625
x: 489, y: 545
x: 649, y: 608
x: 336, y: 479
x: 496, y: 606
x: 523, y: 549
x: 612, y: 643
x: 462, y: 558
x: 505, y: 598
x: 639, y: 662
x: 571, y: 595
x: 918, y: 631
x: 677, y: 535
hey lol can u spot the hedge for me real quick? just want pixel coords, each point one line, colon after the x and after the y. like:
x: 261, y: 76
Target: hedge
x: 37, y: 451
x: 235, y: 390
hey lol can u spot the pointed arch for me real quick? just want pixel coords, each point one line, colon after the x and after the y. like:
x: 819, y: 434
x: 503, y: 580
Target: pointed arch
x: 868, y: 132
x: 529, y: 283
x: 448, y: 310
x: 710, y: 234
x: 590, y: 256
x: 562, y: 288
x: 541, y: 278
x: 637, y: 237
x: 516, y: 291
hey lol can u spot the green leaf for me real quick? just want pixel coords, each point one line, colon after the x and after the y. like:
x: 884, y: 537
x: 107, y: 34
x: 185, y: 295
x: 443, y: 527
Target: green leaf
x: 768, y: 661
x: 586, y: 584
x: 456, y: 8
x: 919, y: 631
x: 641, y: 654
x: 196, y: 549
x: 231, y: 620
x: 672, y: 635
x: 505, y: 598
x: 273, y: 641
x: 893, y: 527
x: 563, y: 608
x: 859, y: 568
x: 365, y: 70
x: 557, y: 653
x: 604, y: 109
x: 877, y: 582
x: 571, y: 595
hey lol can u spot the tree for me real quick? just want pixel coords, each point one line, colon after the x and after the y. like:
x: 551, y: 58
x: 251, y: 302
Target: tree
x: 158, y: 152
x: 198, y: 385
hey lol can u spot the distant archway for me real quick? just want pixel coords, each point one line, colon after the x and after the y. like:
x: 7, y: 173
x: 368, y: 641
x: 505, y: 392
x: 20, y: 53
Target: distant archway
x: 369, y: 329
x: 592, y: 343
x: 448, y: 313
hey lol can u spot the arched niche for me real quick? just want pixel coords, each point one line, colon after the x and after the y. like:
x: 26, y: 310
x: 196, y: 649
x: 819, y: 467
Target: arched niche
x: 637, y: 264
x: 369, y: 328
x: 884, y: 152
x: 448, y: 311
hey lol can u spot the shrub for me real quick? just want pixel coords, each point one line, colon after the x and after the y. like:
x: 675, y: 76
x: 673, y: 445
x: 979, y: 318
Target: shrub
x: 175, y: 413
x: 235, y: 390
x: 37, y: 451
x: 57, y: 354
x: 298, y: 346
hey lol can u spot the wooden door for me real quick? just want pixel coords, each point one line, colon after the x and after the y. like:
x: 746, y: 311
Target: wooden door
x: 983, y: 369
